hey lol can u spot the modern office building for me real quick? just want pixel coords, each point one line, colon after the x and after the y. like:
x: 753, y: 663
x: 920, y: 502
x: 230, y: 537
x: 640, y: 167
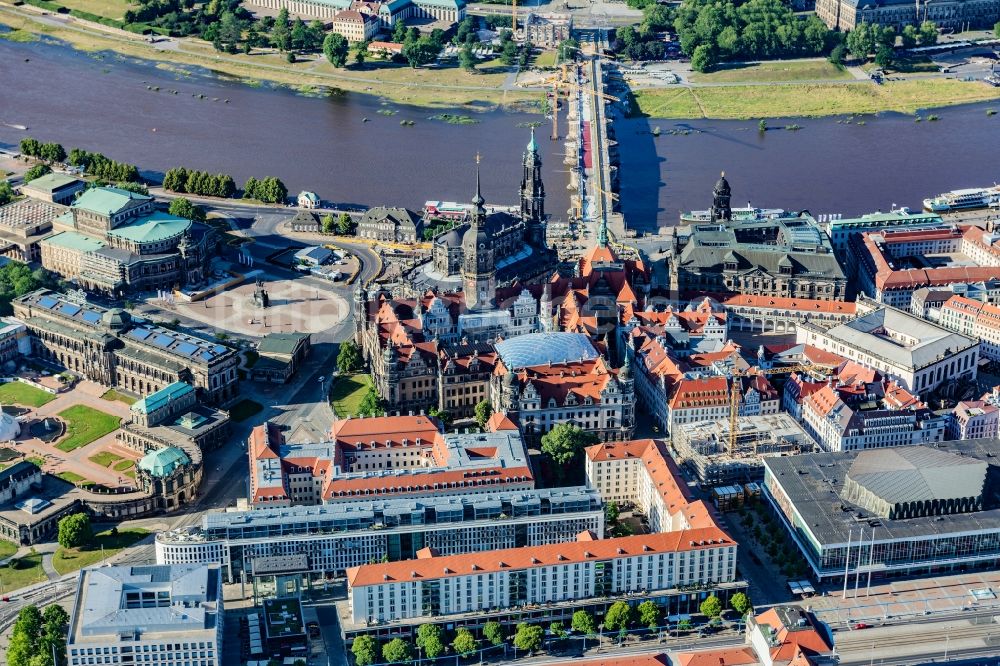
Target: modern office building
x: 335, y: 537
x: 841, y: 230
x: 899, y: 511
x: 166, y: 615
x: 918, y: 355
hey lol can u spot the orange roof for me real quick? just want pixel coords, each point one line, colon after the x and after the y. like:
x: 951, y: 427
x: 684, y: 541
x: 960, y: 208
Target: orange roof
x: 735, y: 656
x: 618, y: 450
x: 537, y: 556
x: 430, y: 481
x: 385, y: 431
x: 779, y: 303
x: 500, y: 421
x: 582, y: 379
x: 701, y: 392
x: 631, y: 660
x: 793, y: 639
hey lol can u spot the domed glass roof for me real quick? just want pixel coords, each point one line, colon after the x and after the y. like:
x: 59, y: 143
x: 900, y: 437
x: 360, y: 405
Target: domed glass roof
x: 524, y: 351
x: 9, y: 427
x: 163, y: 462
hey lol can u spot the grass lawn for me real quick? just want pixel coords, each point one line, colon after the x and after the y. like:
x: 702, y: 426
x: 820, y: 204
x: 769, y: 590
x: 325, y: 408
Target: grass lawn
x: 35, y: 459
x: 346, y: 394
x: 7, y: 548
x: 792, y: 70
x: 111, y: 395
x: 114, y: 9
x: 19, y: 36
x: 810, y: 100
x: 546, y: 59
x: 244, y: 409
x: 65, y: 560
x: 123, y: 465
x: 26, y: 571
x: 104, y: 458
x: 72, y: 477
x: 20, y: 393
x: 84, y: 425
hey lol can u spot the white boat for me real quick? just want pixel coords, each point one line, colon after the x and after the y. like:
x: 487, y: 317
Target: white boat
x: 745, y: 214
x: 978, y: 197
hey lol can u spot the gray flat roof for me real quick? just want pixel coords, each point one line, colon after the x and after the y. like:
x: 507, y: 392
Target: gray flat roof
x: 814, y: 484
x: 868, y: 333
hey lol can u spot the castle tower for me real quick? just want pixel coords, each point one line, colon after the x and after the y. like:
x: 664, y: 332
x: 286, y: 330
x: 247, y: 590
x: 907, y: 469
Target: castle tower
x: 533, y: 194
x: 478, y: 266
x: 721, y: 194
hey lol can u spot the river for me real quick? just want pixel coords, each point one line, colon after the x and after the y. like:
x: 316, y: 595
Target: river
x: 828, y: 166
x: 101, y: 102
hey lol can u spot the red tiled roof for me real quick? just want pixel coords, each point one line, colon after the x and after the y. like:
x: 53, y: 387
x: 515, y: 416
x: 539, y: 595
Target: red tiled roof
x: 526, y: 558
x: 430, y: 481
x: 385, y: 431
x: 734, y: 656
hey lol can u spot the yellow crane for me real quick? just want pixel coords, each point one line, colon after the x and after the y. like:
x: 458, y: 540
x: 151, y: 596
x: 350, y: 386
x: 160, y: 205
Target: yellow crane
x: 513, y: 19
x: 735, y: 388
x: 560, y: 83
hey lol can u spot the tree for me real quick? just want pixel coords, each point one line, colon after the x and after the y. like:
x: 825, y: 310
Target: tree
x: 345, y: 224
x: 908, y: 38
x: 250, y: 188
x: 619, y: 616
x: 329, y: 223
x: 996, y: 29
x: 567, y: 48
x: 704, y: 58
x: 52, y: 152
x: 6, y: 192
x: 371, y: 403
x: 583, y: 622
x: 399, y: 32
x: 564, y: 445
x: 420, y: 52
x: 684, y: 624
x: 528, y: 637
x: 464, y: 643
x: 508, y: 54
x: 182, y: 207
x: 493, y: 632
x: 360, y: 53
x: 611, y: 513
x: 335, y: 49
x: 837, y: 55
x: 24, y: 638
x: 36, y: 171
x: 558, y: 631
x: 75, y: 531
x: 30, y: 147
x: 300, y: 35
x: 466, y: 59
x: 483, y: 411
x: 711, y: 607
x: 348, y: 357
x: 740, y: 603
x: 649, y: 614
x: 397, y: 650
x: 138, y: 188
x: 883, y: 57
x: 281, y: 36
x: 430, y: 639
x: 928, y: 33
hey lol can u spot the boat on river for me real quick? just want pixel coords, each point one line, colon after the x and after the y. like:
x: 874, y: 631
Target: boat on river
x: 745, y: 214
x: 976, y: 197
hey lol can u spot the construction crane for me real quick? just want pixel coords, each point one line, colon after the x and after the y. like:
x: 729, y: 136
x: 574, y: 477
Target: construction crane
x: 735, y: 389
x: 513, y: 19
x: 562, y: 84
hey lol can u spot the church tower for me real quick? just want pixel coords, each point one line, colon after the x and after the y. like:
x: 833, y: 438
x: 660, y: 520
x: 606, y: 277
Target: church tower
x: 478, y: 268
x: 533, y: 194
x: 721, y: 195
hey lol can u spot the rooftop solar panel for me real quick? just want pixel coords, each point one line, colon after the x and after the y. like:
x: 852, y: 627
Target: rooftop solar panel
x: 69, y: 309
x: 186, y: 348
x: 91, y: 316
x: 206, y: 356
x: 219, y: 349
x: 47, y: 302
x: 162, y: 340
x: 140, y: 333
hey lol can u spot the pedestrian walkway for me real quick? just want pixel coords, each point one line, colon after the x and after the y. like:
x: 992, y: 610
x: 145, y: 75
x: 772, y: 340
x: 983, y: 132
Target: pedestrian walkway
x: 50, y: 570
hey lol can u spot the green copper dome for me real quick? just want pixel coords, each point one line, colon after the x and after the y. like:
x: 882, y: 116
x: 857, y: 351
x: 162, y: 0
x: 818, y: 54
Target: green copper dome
x: 162, y: 462
x: 532, y: 146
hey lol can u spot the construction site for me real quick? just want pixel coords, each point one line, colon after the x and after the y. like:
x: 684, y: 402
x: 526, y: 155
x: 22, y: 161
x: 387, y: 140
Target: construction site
x: 710, y: 451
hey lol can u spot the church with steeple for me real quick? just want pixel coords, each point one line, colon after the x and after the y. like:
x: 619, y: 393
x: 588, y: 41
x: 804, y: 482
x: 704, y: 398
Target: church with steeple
x: 513, y: 237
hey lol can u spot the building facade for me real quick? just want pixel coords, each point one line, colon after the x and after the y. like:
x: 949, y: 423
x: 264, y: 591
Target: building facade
x: 390, y: 225
x: 169, y: 615
x: 952, y: 15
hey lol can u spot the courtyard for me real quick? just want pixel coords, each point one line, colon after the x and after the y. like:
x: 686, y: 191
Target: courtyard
x: 72, y: 434
x: 293, y: 307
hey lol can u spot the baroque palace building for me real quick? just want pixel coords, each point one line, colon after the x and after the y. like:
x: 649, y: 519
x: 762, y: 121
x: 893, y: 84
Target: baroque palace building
x: 113, y: 241
x: 109, y: 347
x: 951, y: 14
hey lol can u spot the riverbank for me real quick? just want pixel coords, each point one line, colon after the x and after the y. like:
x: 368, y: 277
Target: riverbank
x: 424, y: 87
x: 778, y: 100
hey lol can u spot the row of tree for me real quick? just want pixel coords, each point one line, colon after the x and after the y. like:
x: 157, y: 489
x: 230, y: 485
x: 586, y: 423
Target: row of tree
x: 102, y: 167
x: 712, y: 32
x: 192, y: 181
x: 39, y: 637
x: 432, y: 641
x: 50, y: 152
x: 343, y: 224
x: 266, y: 190
x: 867, y: 39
